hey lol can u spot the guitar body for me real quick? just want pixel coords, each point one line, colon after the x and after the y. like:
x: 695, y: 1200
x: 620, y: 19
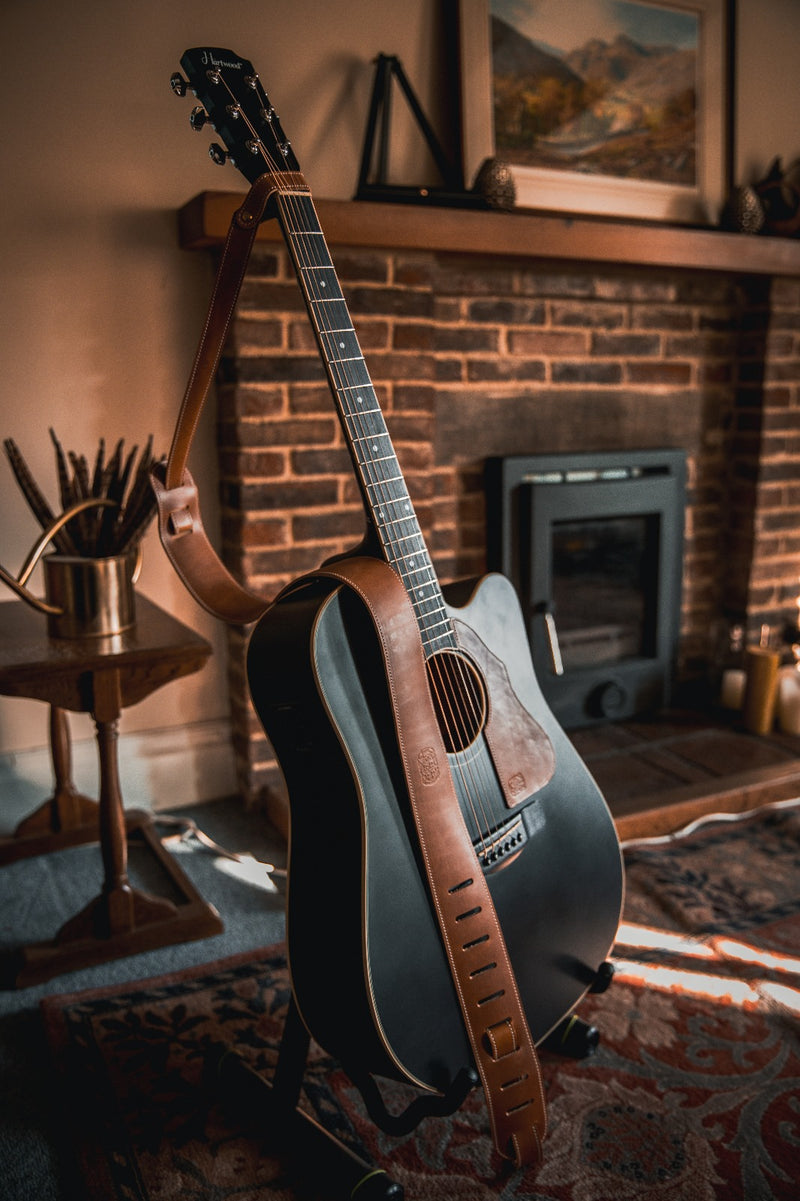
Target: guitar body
x: 369, y: 972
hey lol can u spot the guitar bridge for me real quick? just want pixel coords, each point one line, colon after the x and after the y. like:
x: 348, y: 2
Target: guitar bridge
x: 501, y: 845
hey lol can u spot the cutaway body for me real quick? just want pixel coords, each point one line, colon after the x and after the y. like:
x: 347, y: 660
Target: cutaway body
x: 368, y: 968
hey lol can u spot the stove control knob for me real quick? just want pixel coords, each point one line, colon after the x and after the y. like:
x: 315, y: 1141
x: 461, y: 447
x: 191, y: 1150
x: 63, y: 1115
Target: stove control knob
x: 608, y: 699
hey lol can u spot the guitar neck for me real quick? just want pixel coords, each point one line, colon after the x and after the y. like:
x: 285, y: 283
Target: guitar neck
x: 383, y: 487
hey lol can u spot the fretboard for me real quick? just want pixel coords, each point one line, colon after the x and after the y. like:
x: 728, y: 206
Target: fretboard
x: 377, y: 468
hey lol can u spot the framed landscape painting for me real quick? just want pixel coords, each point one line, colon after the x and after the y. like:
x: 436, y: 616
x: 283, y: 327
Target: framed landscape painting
x: 610, y: 107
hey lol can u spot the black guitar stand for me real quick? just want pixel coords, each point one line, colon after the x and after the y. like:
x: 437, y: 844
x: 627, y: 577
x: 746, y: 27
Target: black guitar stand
x: 292, y: 1130
x: 573, y: 1037
x: 347, y: 1176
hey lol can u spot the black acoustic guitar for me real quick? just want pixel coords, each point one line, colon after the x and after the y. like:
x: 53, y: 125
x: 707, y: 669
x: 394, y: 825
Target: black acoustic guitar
x: 368, y: 967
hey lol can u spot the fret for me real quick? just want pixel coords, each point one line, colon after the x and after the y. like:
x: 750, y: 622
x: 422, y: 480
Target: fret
x: 364, y: 388
x: 371, y: 437
x: 443, y: 632
x: 425, y: 614
x: 405, y: 523
x: 307, y: 233
x: 397, y: 523
x: 359, y: 412
x: 344, y: 359
x: 408, y: 571
x: 380, y: 459
x: 425, y: 567
x: 433, y: 613
x: 390, y: 480
x: 320, y: 267
x: 359, y: 376
x: 406, y: 538
x: 446, y: 638
x: 400, y: 545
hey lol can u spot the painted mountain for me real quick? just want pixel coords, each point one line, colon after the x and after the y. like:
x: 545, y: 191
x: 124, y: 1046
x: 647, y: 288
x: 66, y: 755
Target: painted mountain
x: 609, y: 108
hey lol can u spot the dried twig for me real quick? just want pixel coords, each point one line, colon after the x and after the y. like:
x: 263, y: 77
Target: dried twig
x: 101, y: 532
x: 30, y: 490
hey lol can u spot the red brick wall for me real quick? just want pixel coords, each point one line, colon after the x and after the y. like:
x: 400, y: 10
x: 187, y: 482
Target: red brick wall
x: 472, y: 357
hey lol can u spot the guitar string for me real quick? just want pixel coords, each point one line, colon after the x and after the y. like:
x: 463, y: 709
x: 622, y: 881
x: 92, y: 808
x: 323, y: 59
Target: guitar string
x: 365, y: 429
x: 451, y: 686
x: 346, y: 382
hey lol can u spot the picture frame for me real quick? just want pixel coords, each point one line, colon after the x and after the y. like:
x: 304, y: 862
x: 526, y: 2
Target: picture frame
x: 645, y: 186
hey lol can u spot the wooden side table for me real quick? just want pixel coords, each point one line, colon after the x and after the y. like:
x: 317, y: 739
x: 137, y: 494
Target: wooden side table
x: 100, y: 676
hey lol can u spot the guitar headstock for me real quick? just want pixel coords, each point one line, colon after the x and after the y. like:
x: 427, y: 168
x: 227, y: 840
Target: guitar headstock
x: 235, y: 105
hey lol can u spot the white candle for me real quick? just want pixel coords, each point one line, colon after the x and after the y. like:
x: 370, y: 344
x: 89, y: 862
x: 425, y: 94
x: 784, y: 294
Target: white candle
x: 789, y: 701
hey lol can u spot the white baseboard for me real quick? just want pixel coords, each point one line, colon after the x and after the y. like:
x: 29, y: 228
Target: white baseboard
x: 159, y: 769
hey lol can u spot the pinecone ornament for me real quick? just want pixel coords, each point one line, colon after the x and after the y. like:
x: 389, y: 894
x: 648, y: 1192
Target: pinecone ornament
x: 495, y: 182
x: 744, y: 212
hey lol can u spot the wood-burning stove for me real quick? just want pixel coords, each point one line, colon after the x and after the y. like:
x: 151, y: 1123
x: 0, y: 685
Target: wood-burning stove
x: 594, y: 545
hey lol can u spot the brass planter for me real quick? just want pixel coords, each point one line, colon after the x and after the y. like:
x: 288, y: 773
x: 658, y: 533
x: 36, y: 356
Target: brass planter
x: 93, y: 597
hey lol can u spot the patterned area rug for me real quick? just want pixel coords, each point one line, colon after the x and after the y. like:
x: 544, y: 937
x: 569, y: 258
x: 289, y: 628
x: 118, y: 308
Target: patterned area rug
x: 692, y: 1095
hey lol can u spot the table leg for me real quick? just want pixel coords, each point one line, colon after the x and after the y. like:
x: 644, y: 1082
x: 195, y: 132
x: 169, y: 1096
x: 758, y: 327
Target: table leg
x: 120, y: 908
x: 67, y: 808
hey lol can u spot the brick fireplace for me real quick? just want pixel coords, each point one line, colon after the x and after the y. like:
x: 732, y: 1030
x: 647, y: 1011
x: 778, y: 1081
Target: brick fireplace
x: 475, y: 352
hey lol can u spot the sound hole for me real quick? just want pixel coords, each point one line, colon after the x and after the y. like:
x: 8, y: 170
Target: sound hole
x: 459, y: 699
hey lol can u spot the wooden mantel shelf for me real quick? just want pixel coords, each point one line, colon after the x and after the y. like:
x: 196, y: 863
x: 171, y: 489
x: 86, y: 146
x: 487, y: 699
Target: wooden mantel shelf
x: 204, y: 222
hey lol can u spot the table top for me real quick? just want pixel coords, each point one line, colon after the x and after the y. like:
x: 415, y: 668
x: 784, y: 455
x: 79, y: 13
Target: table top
x: 155, y: 649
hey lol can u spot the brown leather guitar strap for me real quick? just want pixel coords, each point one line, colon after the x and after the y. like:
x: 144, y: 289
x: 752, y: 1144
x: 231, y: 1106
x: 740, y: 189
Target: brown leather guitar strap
x: 180, y: 524
x: 484, y: 979
x: 479, y: 962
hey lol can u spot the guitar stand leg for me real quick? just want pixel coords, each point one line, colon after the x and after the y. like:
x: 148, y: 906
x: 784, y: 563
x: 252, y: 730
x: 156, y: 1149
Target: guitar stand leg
x: 573, y: 1037
x: 246, y: 1093
x: 421, y: 1107
x: 603, y: 978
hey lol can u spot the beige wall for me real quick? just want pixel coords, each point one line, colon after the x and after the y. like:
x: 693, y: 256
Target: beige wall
x: 100, y: 310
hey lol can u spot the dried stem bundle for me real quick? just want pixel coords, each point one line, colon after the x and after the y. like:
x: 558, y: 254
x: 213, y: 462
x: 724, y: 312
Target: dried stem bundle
x: 95, y: 533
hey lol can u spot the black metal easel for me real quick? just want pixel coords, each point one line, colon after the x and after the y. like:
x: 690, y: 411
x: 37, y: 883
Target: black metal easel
x: 372, y: 179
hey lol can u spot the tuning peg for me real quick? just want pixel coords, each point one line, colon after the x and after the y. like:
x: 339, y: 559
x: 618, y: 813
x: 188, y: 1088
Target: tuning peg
x: 217, y: 154
x: 179, y: 85
x: 198, y: 117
